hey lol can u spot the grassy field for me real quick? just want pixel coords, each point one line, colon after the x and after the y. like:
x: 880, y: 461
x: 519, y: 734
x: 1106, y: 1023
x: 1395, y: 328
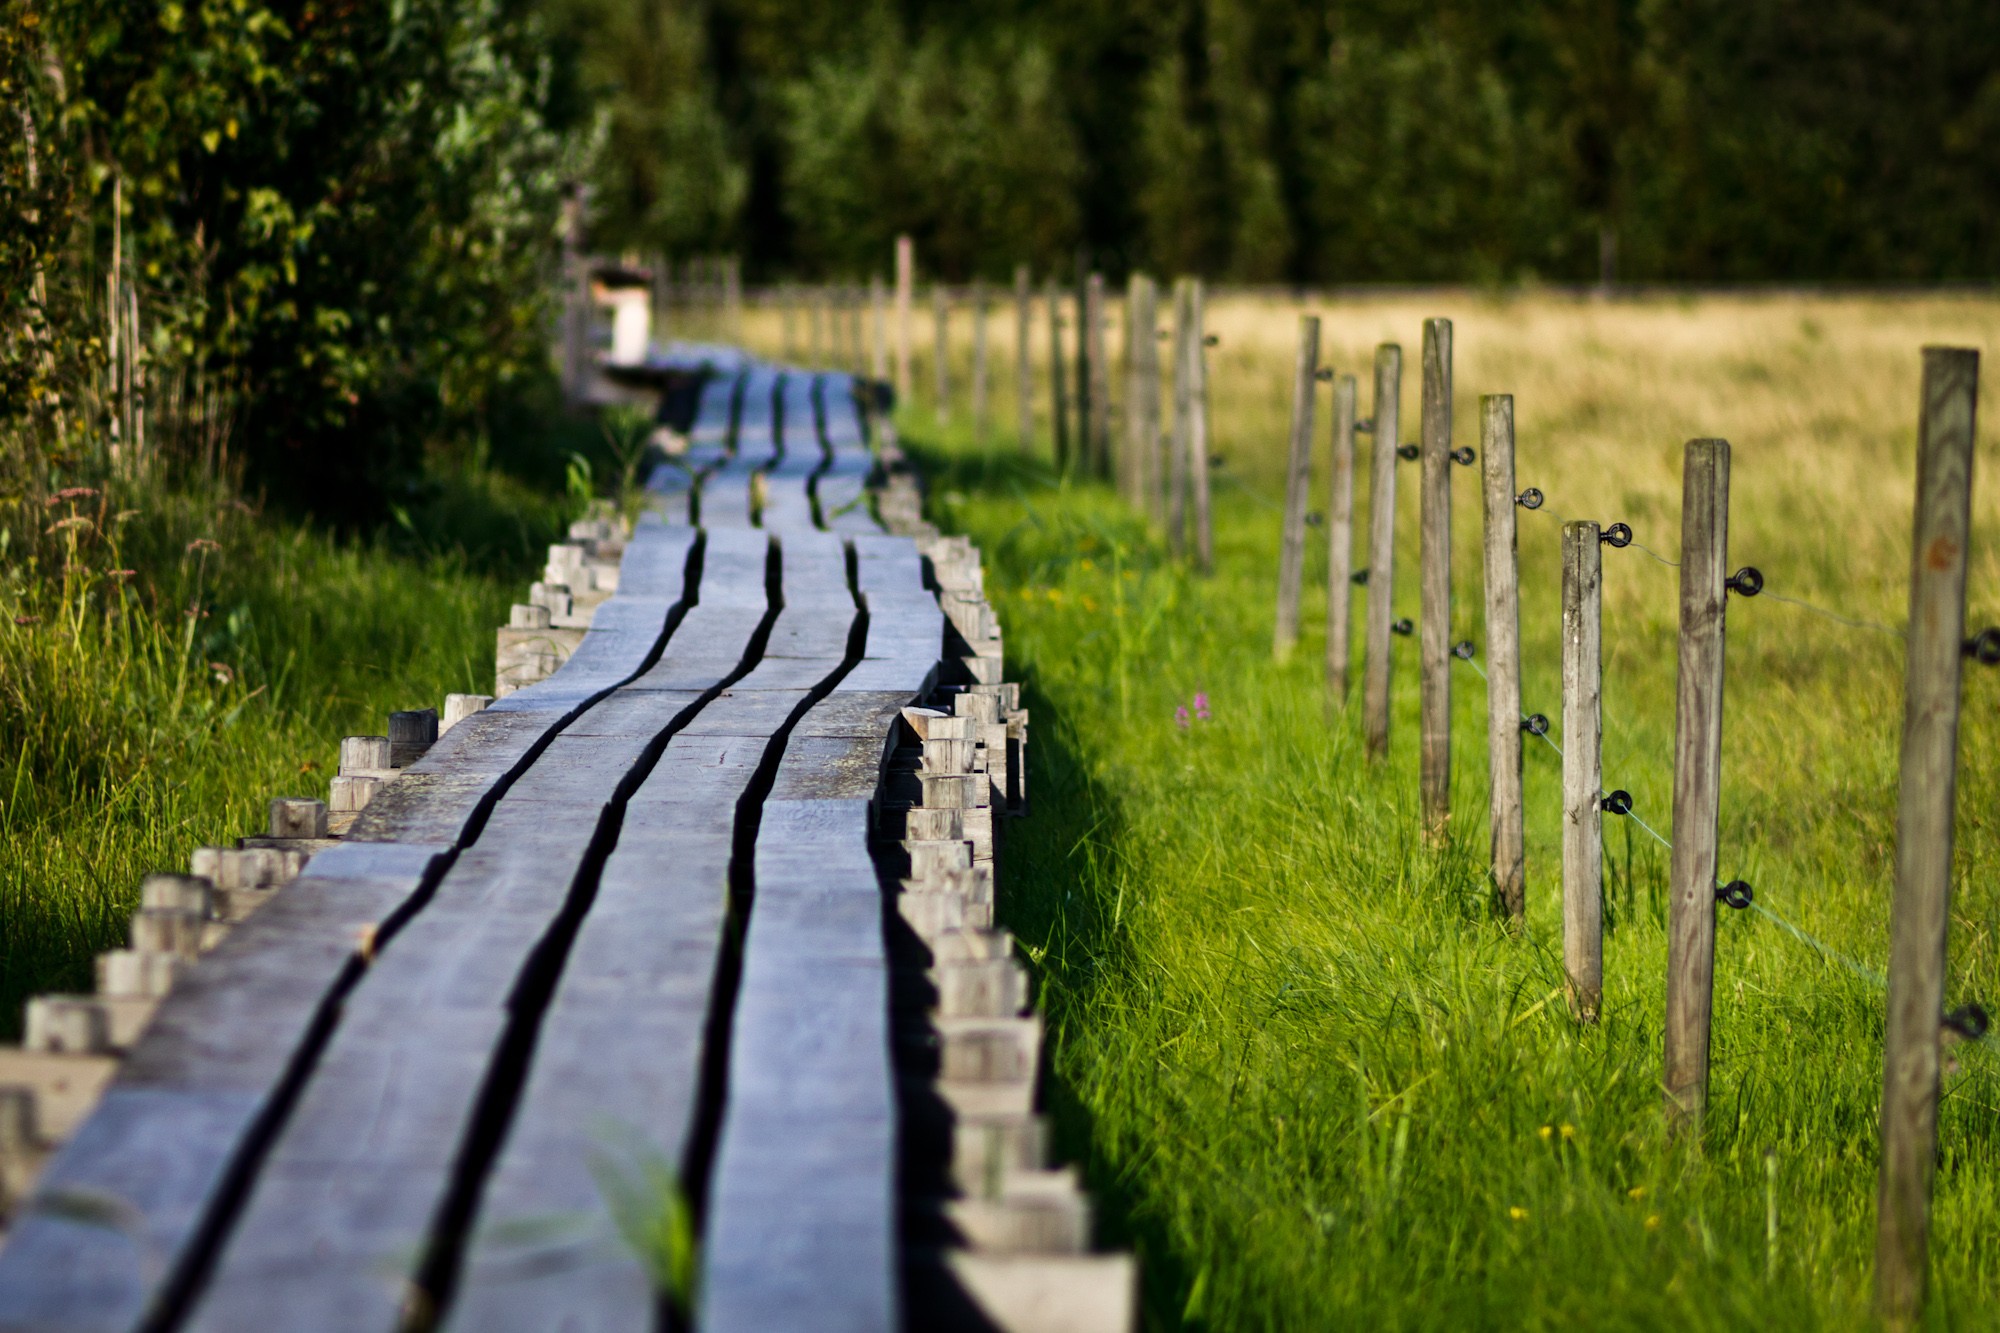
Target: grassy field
x: 1314, y: 1083
x: 170, y: 660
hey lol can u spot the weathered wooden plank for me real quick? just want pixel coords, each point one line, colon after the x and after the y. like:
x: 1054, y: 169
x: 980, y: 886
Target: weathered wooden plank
x: 1298, y: 484
x: 1386, y: 424
x: 1340, y: 544
x: 1503, y: 654
x: 1583, y: 774
x: 1434, y: 560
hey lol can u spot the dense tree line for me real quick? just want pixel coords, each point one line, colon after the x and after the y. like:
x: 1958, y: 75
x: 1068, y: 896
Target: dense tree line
x: 1305, y: 140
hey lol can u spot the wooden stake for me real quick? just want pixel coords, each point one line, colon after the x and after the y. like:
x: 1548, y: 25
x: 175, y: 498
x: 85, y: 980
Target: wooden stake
x: 979, y: 415
x: 941, y: 325
x: 1697, y: 778
x: 732, y: 297
x: 1082, y: 384
x: 906, y: 295
x: 1922, y: 907
x: 1024, y: 361
x: 1386, y: 424
x: 1142, y: 393
x: 1298, y: 485
x: 1177, y: 485
x: 1100, y: 377
x: 1583, y: 777
x: 1503, y: 653
x: 787, y: 332
x: 1204, y: 530
x: 878, y: 332
x: 1340, y: 542
x: 1434, y: 651
x: 1058, y: 390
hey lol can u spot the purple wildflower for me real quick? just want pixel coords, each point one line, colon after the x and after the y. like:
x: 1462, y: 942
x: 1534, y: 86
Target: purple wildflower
x: 1201, y: 704
x: 1181, y: 717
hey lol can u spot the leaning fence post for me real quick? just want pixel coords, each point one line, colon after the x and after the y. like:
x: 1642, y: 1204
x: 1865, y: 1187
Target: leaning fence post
x: 1503, y: 652
x: 1697, y: 778
x: 979, y: 422
x: 941, y: 324
x: 1434, y: 645
x: 1340, y: 541
x: 1298, y: 483
x: 1177, y: 462
x: 1583, y: 778
x: 1100, y: 377
x: 1024, y: 360
x: 1058, y: 390
x: 878, y: 331
x: 906, y: 286
x: 1204, y: 529
x: 1921, y: 910
x: 1384, y: 425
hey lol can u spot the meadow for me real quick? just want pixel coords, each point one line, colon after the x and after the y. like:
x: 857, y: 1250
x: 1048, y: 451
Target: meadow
x: 1311, y: 1077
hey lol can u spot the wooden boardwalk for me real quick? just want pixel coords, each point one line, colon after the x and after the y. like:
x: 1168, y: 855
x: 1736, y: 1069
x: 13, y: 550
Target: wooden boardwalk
x: 694, y: 919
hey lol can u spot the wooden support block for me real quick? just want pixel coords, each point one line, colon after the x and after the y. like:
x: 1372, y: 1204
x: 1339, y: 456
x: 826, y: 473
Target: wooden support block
x: 1096, y: 1293
x: 983, y: 1099
x: 1038, y: 1212
x: 933, y: 859
x: 988, y: 988
x: 297, y: 817
x: 364, y: 754
x: 923, y: 824
x: 529, y: 615
x: 411, y: 732
x: 953, y: 791
x: 987, y: 1050
x: 458, y: 707
x: 72, y: 1024
x: 183, y: 893
x: 233, y: 905
x: 168, y: 930
x: 124, y: 1018
x: 985, y: 1151
x: 127, y: 972
x: 247, y: 867
x: 65, y: 1086
x: 972, y: 946
x: 349, y: 794
x: 23, y: 1150
x: 948, y: 756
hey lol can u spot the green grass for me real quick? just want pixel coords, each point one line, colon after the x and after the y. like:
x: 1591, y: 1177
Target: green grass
x: 1313, y: 1082
x: 132, y: 731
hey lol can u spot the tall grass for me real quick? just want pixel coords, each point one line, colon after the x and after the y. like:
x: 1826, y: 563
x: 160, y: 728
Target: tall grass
x: 169, y: 660
x: 1315, y: 1082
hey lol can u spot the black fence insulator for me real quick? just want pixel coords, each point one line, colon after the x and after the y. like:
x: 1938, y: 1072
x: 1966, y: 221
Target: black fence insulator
x: 1463, y: 650
x: 1315, y: 518
x: 1968, y: 1021
x: 1746, y: 582
x: 1365, y: 426
x: 1618, y: 536
x: 1736, y: 893
x: 1618, y: 803
x: 1324, y: 374
x: 1984, y: 647
x: 1535, y: 724
x: 1359, y: 577
x: 1405, y: 626
x: 1408, y: 452
x: 1215, y: 460
x: 1463, y: 455
x: 1212, y: 340
x: 1529, y: 499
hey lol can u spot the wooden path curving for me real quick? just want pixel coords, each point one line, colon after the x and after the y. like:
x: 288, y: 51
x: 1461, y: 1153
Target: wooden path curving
x: 694, y: 919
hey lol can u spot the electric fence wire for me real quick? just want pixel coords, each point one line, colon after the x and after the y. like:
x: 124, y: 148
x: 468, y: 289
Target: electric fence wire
x: 1826, y: 951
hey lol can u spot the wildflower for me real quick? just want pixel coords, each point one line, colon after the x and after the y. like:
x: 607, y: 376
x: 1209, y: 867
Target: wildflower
x: 1201, y: 704
x: 1568, y: 1133
x: 27, y: 620
x: 1055, y: 594
x: 1636, y: 1192
x: 224, y: 673
x: 121, y: 573
x: 1545, y: 1131
x: 1652, y: 1222
x: 1518, y: 1213
x: 64, y: 525
x: 1090, y: 604
x: 1181, y: 717
x: 72, y: 493
x: 1088, y: 564
x: 203, y: 544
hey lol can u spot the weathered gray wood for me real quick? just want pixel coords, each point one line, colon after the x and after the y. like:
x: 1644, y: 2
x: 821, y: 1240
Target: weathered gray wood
x: 906, y: 288
x: 1340, y: 544
x: 1142, y: 394
x: 981, y: 424
x: 1298, y: 486
x: 1503, y: 653
x: 1179, y: 446
x: 1386, y: 425
x: 1197, y: 367
x: 1921, y: 911
x: 1024, y: 361
x: 1100, y: 376
x: 878, y: 331
x: 1583, y: 775
x: 1080, y: 302
x: 1434, y: 634
x: 941, y: 356
x: 1697, y: 777
x: 1058, y: 388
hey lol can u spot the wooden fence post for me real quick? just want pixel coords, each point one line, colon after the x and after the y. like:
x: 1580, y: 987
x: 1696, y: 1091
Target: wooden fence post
x: 1340, y: 542
x: 1082, y: 382
x: 1142, y: 414
x: 1177, y: 499
x: 1434, y: 643
x: 1697, y: 778
x: 816, y: 323
x: 1298, y: 486
x: 979, y: 413
x: 1058, y: 390
x: 732, y: 297
x: 1921, y: 911
x: 878, y: 332
x: 1024, y: 361
x: 1385, y: 425
x: 1204, y: 529
x: 1100, y: 377
x: 941, y: 325
x: 788, y: 322
x: 1583, y: 776
x: 1503, y: 653
x: 906, y: 285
